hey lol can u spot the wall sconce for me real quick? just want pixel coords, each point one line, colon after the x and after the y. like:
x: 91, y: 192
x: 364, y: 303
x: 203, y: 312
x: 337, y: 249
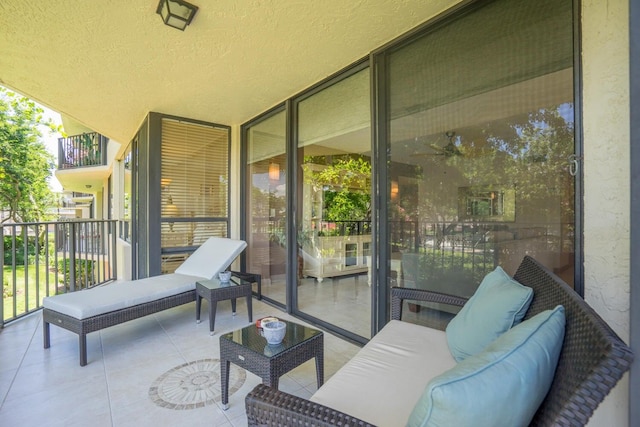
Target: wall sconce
x: 170, y: 210
x: 176, y: 13
x: 394, y: 189
x: 274, y: 171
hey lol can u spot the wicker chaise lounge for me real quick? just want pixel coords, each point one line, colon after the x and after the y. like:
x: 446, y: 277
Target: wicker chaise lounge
x: 98, y: 308
x: 592, y: 360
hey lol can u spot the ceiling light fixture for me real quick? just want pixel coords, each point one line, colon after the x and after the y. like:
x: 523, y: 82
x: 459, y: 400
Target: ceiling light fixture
x: 176, y: 13
x: 274, y: 171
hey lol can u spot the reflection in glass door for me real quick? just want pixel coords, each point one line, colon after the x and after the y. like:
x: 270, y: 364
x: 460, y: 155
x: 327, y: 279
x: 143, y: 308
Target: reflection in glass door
x: 334, y: 204
x: 266, y: 207
x: 481, y: 131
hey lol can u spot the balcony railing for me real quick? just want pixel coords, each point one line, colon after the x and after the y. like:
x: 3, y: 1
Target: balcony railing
x: 87, y: 149
x: 48, y: 258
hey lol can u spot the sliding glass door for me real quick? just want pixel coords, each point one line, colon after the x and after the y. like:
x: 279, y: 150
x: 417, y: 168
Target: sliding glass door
x: 333, y: 202
x: 473, y: 167
x: 480, y: 137
x: 266, y: 207
x: 330, y: 148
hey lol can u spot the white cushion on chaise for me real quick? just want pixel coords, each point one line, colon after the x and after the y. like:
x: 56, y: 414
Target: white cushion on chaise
x: 97, y: 308
x: 215, y: 255
x: 116, y: 296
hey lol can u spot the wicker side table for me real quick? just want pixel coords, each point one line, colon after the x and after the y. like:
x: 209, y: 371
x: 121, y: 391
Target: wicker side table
x: 213, y: 291
x: 251, y: 278
x: 248, y: 349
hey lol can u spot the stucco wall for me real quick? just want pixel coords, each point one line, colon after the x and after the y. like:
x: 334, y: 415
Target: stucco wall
x: 605, y: 59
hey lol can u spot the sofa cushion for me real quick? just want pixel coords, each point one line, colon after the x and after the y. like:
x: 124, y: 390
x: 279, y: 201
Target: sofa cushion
x: 499, y: 303
x: 503, y: 385
x: 384, y: 380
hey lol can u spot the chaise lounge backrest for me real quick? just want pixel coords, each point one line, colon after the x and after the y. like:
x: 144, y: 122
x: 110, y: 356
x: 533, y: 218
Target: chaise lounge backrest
x: 593, y: 357
x: 212, y: 257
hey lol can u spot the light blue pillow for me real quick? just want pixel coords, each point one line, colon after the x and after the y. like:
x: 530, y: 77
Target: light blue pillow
x: 503, y: 385
x: 498, y: 304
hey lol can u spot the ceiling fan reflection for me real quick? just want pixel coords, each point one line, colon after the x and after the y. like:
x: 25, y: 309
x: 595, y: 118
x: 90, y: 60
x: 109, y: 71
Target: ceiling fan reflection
x: 449, y: 150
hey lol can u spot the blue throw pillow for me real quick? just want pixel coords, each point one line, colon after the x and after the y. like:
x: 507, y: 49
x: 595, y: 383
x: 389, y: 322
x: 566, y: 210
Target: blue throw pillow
x: 502, y: 386
x: 498, y: 304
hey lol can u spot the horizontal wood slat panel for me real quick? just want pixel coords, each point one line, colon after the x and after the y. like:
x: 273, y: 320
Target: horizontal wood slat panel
x: 195, y: 180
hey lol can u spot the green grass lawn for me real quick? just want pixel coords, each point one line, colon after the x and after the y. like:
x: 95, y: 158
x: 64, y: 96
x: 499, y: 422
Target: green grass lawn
x: 37, y: 289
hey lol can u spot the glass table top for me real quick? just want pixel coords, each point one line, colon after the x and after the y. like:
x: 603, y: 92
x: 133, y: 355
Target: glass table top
x: 215, y: 283
x: 251, y: 337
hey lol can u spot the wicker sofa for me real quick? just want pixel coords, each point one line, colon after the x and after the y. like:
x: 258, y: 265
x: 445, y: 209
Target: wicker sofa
x: 592, y: 360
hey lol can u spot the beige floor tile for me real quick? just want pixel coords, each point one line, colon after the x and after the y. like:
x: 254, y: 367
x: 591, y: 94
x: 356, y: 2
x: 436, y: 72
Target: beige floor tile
x: 38, y: 385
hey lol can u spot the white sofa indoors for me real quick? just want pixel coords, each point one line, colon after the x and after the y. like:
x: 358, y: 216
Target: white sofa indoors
x: 520, y: 352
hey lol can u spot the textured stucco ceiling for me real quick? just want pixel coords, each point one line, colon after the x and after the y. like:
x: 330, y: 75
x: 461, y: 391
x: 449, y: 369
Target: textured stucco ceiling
x: 106, y: 64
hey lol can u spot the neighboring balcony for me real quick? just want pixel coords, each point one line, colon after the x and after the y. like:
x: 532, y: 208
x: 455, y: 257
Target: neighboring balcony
x: 83, y: 161
x: 85, y: 150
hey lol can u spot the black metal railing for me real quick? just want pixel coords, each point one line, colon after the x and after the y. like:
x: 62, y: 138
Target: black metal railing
x: 47, y: 258
x: 464, y: 252
x: 87, y: 149
x: 75, y: 194
x: 341, y: 228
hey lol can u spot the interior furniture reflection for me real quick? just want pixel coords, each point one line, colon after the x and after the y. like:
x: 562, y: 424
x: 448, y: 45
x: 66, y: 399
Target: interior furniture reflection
x: 331, y: 256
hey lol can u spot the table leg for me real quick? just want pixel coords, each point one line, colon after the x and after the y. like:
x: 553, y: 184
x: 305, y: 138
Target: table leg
x: 224, y: 384
x: 249, y: 307
x: 320, y: 368
x: 233, y: 306
x: 272, y: 381
x: 45, y: 330
x: 83, y: 348
x: 198, y: 305
x: 212, y: 315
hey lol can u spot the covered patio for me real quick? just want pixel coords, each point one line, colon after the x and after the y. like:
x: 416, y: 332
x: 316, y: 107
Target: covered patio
x: 133, y: 370
x: 106, y: 66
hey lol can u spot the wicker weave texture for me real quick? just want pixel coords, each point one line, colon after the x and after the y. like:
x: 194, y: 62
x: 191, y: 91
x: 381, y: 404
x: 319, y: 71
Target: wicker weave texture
x: 84, y: 326
x: 267, y: 406
x: 270, y: 368
x: 251, y: 278
x: 592, y: 361
x: 593, y: 357
x: 231, y: 292
x: 399, y: 295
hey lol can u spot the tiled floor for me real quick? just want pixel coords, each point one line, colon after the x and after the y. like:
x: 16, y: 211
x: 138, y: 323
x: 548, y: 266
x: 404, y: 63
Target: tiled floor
x: 343, y: 301
x: 41, y: 387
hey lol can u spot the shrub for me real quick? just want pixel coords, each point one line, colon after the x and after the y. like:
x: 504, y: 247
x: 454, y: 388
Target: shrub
x: 31, y: 249
x: 84, y: 273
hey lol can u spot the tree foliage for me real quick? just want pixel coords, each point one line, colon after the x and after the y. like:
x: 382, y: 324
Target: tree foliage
x: 25, y: 163
x: 346, y: 183
x: 527, y: 153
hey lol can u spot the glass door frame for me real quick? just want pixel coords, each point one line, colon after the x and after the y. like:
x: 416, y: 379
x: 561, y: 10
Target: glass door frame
x: 377, y: 63
x: 244, y: 174
x: 381, y: 145
x: 293, y: 190
x: 294, y: 193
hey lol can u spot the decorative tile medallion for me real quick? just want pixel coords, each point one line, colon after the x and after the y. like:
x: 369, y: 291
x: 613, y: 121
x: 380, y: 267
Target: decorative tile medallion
x: 194, y: 385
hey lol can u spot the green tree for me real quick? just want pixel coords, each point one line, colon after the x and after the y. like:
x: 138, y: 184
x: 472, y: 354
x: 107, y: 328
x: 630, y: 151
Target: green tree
x: 346, y: 183
x: 25, y: 163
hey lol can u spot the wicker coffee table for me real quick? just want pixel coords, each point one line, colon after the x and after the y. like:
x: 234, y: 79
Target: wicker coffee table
x: 214, y: 290
x: 248, y: 349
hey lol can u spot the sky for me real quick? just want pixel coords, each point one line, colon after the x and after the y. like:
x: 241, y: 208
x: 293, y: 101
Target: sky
x: 51, y: 141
